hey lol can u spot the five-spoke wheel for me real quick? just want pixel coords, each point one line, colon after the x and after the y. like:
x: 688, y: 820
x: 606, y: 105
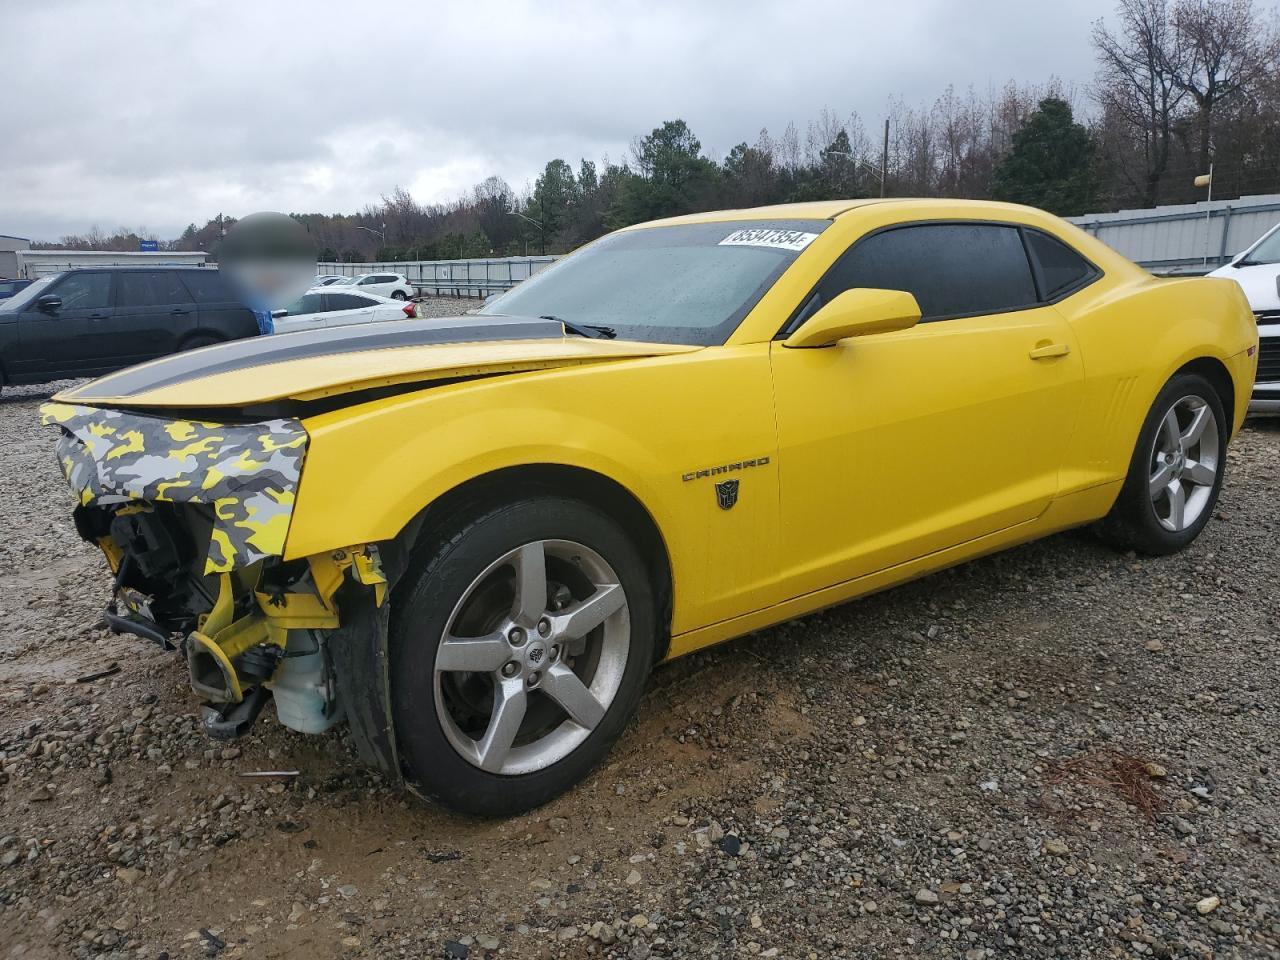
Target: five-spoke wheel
x: 1176, y: 470
x: 520, y: 642
x: 1184, y: 463
x: 532, y: 656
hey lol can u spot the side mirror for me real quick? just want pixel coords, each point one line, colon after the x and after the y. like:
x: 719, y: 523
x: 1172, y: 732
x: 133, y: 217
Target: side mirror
x: 49, y: 303
x: 857, y: 313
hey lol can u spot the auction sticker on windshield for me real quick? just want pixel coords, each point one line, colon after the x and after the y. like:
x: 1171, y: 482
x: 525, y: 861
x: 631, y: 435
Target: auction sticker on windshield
x: 766, y: 237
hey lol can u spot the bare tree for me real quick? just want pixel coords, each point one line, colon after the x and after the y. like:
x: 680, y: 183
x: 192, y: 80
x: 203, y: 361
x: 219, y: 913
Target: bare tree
x: 1225, y: 52
x: 1138, y: 88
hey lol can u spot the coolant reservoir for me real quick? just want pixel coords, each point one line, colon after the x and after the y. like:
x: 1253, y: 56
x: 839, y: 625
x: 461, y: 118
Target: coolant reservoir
x: 300, y: 686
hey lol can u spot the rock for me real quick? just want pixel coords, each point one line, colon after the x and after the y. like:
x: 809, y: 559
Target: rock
x: 567, y: 933
x: 1154, y: 770
x: 1056, y: 848
x: 297, y: 912
x: 730, y: 844
x: 602, y: 931
x: 633, y: 878
x: 926, y: 897
x: 1208, y: 905
x: 870, y: 906
x: 639, y: 921
x: 1154, y: 646
x: 1183, y: 827
x: 128, y: 875
x: 455, y: 950
x: 347, y: 890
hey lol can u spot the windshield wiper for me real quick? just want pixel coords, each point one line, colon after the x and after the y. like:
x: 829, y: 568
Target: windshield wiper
x: 1253, y: 263
x: 583, y: 329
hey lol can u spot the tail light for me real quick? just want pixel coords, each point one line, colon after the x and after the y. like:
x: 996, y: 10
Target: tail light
x: 410, y: 310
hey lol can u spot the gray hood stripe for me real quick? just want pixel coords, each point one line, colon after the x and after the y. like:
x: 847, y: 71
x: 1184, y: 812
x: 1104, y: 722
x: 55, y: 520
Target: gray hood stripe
x: 279, y: 348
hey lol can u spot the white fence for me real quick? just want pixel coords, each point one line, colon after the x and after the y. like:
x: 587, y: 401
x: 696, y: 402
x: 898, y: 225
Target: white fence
x: 459, y: 278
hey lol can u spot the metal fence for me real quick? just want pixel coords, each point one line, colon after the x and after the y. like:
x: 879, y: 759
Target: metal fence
x: 458, y: 278
x: 1187, y: 238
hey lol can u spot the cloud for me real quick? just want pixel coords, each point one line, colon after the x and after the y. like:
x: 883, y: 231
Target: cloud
x: 159, y: 114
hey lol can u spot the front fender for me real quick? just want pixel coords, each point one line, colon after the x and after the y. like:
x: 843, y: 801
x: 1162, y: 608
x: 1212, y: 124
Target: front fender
x: 402, y: 468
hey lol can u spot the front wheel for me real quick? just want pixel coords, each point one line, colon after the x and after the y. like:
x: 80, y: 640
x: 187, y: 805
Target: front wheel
x: 519, y: 649
x: 1176, y: 472
x: 398, y: 295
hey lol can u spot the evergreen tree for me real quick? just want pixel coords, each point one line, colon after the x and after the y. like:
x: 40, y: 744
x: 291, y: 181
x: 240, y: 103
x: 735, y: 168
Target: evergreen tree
x: 1051, y: 164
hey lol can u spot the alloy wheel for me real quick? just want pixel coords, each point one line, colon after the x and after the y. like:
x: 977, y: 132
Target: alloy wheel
x: 532, y: 657
x: 1184, y: 463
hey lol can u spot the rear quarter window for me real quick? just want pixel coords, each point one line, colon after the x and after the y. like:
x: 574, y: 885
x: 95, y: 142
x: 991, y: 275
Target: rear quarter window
x: 1062, y: 270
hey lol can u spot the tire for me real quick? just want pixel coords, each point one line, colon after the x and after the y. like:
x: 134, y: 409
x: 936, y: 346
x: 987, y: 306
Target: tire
x: 450, y: 718
x: 198, y: 341
x: 399, y: 295
x: 1146, y: 515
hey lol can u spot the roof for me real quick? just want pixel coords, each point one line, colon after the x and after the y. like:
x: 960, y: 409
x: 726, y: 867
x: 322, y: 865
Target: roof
x: 831, y: 209
x: 814, y: 210
x: 9, y: 236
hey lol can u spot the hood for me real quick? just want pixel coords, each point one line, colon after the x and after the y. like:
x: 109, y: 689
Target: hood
x: 1261, y: 284
x: 313, y: 365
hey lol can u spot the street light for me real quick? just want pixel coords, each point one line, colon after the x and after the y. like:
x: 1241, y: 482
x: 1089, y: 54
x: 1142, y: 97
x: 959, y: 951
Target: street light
x: 542, y: 233
x: 866, y: 165
x: 380, y: 234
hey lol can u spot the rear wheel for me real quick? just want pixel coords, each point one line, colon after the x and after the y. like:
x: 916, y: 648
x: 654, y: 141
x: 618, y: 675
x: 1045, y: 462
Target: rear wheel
x: 519, y: 650
x: 198, y: 341
x: 399, y: 295
x: 1176, y: 473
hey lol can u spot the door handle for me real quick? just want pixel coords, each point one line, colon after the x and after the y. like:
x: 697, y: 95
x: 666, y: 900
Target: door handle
x: 179, y: 312
x: 1046, y: 351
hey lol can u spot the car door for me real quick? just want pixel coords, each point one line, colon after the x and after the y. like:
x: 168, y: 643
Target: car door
x: 897, y: 445
x: 153, y: 313
x: 308, y: 312
x: 56, y: 342
x: 343, y: 309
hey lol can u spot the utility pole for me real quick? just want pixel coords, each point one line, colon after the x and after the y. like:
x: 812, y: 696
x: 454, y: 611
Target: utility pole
x: 1207, y: 181
x: 884, y: 158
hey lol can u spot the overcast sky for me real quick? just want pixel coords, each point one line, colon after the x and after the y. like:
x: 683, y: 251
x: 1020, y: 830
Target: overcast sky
x: 160, y: 114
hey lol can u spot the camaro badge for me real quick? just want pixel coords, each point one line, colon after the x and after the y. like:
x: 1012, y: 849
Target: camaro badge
x: 727, y: 493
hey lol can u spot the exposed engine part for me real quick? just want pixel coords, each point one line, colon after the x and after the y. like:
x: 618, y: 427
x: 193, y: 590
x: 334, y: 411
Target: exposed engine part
x: 258, y: 664
x: 303, y: 687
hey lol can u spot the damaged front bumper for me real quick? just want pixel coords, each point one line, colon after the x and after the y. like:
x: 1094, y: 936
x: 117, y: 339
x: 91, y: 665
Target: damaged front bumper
x: 247, y: 474
x: 192, y: 517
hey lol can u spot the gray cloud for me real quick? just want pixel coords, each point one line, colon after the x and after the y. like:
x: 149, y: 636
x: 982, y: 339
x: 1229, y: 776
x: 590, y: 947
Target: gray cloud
x: 158, y: 114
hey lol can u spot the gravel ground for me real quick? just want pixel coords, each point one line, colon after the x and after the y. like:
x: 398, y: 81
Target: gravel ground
x: 1055, y: 752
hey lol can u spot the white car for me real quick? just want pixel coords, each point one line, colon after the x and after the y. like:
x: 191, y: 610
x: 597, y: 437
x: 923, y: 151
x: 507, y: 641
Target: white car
x: 393, y: 285
x: 1257, y: 270
x: 337, y: 307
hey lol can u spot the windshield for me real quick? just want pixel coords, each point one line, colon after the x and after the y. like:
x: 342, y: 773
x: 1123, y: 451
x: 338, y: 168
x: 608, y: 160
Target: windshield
x: 689, y: 283
x: 345, y: 281
x: 27, y: 294
x: 1268, y: 251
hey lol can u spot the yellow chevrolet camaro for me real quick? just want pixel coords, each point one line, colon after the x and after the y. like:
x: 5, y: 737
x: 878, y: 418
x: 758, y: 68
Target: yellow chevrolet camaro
x: 471, y: 539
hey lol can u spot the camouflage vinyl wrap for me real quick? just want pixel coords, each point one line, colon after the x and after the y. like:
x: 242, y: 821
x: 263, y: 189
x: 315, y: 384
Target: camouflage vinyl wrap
x: 248, y: 473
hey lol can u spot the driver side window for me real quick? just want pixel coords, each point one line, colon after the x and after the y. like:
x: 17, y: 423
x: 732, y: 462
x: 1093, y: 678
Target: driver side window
x: 952, y: 269
x: 84, y: 291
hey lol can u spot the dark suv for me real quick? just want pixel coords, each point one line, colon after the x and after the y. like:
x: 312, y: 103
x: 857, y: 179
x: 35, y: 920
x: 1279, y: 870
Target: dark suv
x: 88, y: 322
